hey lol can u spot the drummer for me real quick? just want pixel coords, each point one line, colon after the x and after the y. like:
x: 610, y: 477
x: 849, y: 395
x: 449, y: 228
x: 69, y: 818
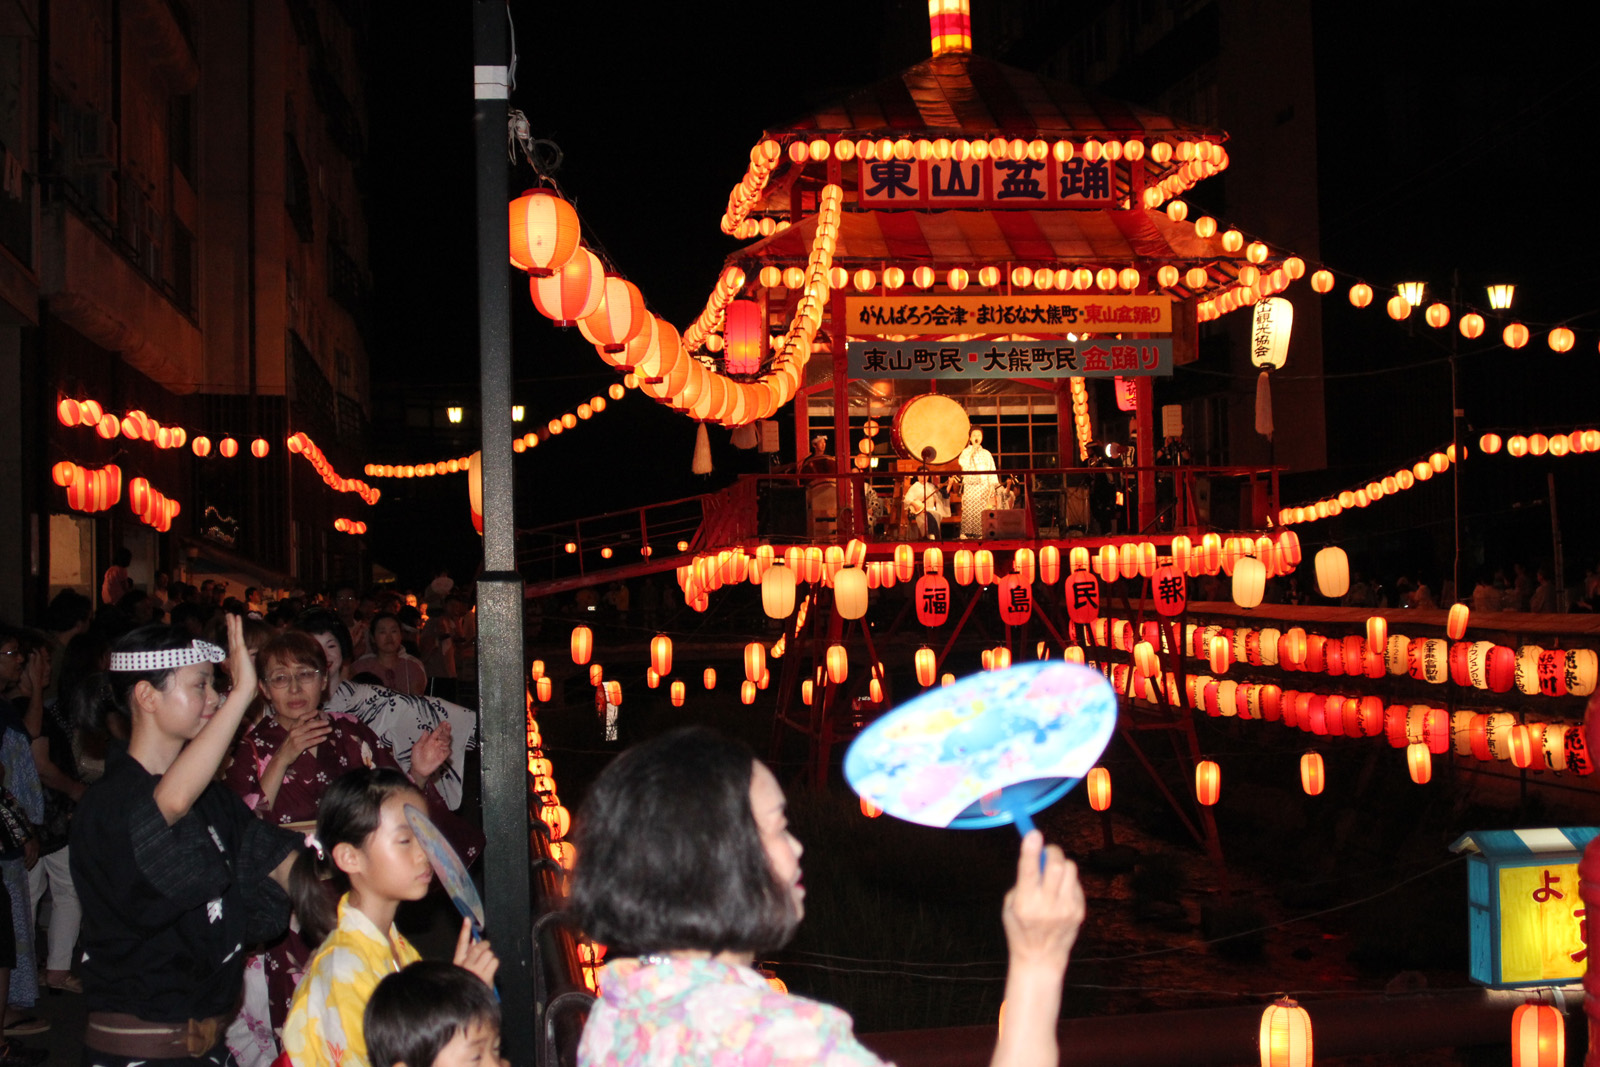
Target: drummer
x: 925, y: 503
x: 819, y: 462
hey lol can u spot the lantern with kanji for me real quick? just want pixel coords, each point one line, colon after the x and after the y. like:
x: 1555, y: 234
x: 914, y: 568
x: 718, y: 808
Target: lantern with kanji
x: 933, y: 600
x: 1170, y: 590
x: 1016, y: 600
x: 1083, y: 597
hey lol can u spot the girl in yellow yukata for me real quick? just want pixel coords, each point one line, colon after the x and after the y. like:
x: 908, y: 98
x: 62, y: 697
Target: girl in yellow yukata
x: 363, y: 846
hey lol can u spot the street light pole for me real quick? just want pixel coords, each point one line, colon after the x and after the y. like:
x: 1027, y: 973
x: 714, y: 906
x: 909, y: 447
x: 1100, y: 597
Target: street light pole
x: 500, y: 696
x: 1456, y: 414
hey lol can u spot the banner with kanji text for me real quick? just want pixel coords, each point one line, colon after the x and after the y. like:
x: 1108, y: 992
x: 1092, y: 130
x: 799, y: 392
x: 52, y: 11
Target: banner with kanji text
x: 1025, y: 359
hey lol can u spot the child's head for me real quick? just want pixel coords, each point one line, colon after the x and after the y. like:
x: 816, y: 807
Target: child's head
x: 162, y: 679
x: 433, y: 1015
x: 290, y: 669
x: 363, y: 845
x: 682, y: 844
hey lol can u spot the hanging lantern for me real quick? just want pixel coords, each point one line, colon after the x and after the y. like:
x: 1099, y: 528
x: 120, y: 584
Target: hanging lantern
x: 582, y: 644
x: 1127, y: 394
x: 1360, y: 294
x: 651, y: 678
x: 1311, y: 773
x: 1145, y: 659
x: 661, y: 654
x: 1285, y: 1039
x: 1219, y: 653
x: 1514, y: 335
x: 755, y: 660
x: 963, y: 566
x: 933, y: 561
x: 1419, y: 762
x: 905, y: 562
x: 228, y: 448
x: 544, y: 232
x: 1099, y: 788
x: 1538, y: 1036
x: 746, y: 337
x: 678, y: 691
x: 1207, y: 782
x: 1049, y: 564
x: 620, y: 316
x: 1377, y: 632
x: 1333, y: 572
x: 1249, y: 582
x: 572, y: 293
x: 259, y: 448
x: 869, y: 809
x: 1489, y: 443
x: 1082, y: 592
x: 927, y: 666
x: 838, y: 664
x: 597, y: 674
x: 543, y: 687
x: 1271, y: 323
x: 1520, y: 744
x: 708, y: 677
x: 1456, y: 622
x: 1016, y: 600
x: 747, y: 692
x: 983, y: 566
x: 1398, y: 308
x: 807, y: 691
x: 850, y: 592
x: 933, y: 600
x: 777, y: 591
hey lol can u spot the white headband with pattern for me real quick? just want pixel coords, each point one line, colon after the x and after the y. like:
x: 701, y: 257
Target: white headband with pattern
x: 168, y: 658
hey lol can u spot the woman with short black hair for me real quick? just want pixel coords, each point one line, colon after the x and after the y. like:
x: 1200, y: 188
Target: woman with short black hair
x: 687, y: 871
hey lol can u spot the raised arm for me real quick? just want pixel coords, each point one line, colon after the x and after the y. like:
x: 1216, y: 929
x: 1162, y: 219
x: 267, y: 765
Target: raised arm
x: 1042, y: 915
x: 197, y: 764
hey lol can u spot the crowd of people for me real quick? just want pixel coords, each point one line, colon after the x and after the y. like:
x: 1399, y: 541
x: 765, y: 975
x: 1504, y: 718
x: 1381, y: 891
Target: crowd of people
x: 166, y: 755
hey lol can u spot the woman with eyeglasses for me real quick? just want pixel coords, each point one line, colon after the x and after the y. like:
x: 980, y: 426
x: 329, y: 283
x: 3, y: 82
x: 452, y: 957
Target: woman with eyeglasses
x: 281, y: 767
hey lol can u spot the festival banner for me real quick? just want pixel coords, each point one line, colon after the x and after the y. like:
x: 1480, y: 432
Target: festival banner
x: 990, y: 183
x: 1024, y: 359
x: 1049, y: 314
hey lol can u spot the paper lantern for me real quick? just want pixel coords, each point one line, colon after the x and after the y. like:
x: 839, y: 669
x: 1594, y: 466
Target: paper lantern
x: 869, y: 809
x: 544, y: 232
x: 1207, y: 782
x: 228, y: 448
x: 582, y: 644
x: 1333, y: 572
x: 850, y: 592
x: 543, y: 687
x: 1360, y: 294
x: 597, y: 674
x: 1514, y: 335
x: 1419, y: 762
x: 620, y: 316
x: 963, y: 566
x: 1249, y: 582
x: 983, y: 566
x: 746, y: 337
x: 1016, y: 600
x: 1538, y: 1036
x: 651, y: 678
x: 932, y: 561
x: 807, y: 691
x: 1082, y: 592
x: 1398, y: 308
x: 259, y: 448
x: 1489, y: 443
x: 838, y: 664
x: 777, y: 591
x: 661, y: 654
x: 62, y: 474
x: 572, y: 293
x: 708, y: 677
x: 1049, y: 564
x: 927, y: 664
x: 933, y: 600
x: 1285, y: 1039
x: 1099, y: 788
x: 1312, y: 773
x: 677, y: 693
x: 1271, y: 323
x: 747, y: 692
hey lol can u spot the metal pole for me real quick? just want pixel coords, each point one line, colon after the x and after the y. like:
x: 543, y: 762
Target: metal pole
x: 500, y: 697
x: 1456, y: 414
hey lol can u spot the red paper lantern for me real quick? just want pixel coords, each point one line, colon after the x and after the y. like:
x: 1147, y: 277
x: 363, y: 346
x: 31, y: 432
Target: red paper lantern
x: 1538, y: 1036
x: 1099, y: 788
x: 1083, y: 597
x: 1207, y: 782
x: 228, y: 448
x: 620, y: 316
x: 259, y: 448
x: 746, y: 337
x: 1016, y: 601
x: 1419, y: 762
x: 1170, y: 590
x: 62, y: 473
x: 69, y: 412
x: 582, y: 644
x: 1502, y: 668
x: 1312, y: 773
x: 933, y: 600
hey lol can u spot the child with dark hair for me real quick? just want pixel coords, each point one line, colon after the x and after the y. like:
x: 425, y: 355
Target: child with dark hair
x: 175, y: 874
x: 364, y: 847
x: 433, y: 1015
x: 686, y: 871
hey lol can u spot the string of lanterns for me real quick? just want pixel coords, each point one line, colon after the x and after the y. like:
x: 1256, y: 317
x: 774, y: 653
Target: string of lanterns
x: 1575, y: 443
x: 1364, y: 495
x: 532, y: 439
x: 301, y: 444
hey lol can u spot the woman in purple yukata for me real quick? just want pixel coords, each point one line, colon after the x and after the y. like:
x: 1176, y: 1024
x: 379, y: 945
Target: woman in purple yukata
x: 282, y: 766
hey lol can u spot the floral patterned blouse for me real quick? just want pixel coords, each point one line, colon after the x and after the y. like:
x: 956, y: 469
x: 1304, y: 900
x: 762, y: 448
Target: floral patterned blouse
x: 325, y: 1020
x: 685, y: 1012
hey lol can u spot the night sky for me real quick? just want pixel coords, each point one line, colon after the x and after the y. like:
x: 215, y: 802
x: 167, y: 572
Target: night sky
x: 1451, y: 137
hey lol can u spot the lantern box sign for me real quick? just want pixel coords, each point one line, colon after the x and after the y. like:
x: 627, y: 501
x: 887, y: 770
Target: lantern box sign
x: 988, y: 359
x: 989, y: 183
x: 1047, y: 314
x: 1525, y: 917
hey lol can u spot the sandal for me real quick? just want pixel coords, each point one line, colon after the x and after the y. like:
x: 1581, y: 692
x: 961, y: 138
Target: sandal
x: 26, y: 1025
x: 70, y: 984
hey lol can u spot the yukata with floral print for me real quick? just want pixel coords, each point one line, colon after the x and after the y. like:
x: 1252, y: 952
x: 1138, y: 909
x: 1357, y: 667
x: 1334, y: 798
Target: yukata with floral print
x: 284, y: 764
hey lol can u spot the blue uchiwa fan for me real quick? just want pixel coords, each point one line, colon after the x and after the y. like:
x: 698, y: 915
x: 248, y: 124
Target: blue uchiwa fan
x: 990, y: 749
